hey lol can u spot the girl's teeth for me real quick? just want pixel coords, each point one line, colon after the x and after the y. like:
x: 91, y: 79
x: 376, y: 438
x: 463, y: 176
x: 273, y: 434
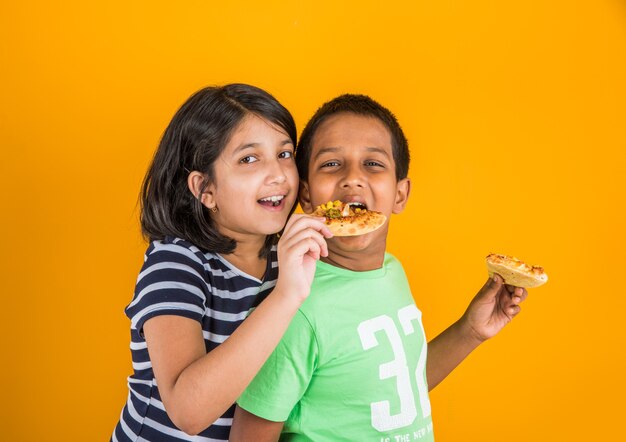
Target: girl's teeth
x: 273, y: 198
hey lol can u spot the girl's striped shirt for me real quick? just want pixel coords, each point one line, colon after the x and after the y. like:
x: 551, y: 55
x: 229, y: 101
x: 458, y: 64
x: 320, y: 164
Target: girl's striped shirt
x: 179, y: 279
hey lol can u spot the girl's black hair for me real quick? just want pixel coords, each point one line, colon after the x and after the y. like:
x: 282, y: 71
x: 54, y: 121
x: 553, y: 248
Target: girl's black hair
x: 193, y: 140
x: 359, y: 105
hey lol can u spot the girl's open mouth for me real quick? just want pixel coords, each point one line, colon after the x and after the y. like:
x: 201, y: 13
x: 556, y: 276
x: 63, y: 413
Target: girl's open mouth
x: 272, y: 201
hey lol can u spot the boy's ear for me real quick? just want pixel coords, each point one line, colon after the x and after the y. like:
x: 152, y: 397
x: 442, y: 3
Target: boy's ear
x: 304, y: 196
x: 403, y: 189
x: 196, y: 182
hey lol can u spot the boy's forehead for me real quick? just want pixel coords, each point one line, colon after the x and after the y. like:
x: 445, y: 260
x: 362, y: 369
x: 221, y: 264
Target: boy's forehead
x: 346, y: 130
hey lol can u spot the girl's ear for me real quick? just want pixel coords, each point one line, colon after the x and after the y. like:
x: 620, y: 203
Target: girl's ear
x: 196, y: 182
x: 305, y: 197
x: 403, y: 188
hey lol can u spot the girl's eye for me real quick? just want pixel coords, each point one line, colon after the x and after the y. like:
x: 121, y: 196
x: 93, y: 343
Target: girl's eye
x: 247, y: 160
x: 286, y: 154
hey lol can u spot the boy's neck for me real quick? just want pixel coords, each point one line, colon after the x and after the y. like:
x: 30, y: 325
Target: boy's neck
x: 356, y: 260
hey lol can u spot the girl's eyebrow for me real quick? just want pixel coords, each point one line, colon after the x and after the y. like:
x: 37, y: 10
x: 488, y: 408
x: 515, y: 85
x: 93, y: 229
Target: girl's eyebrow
x: 254, y: 145
x: 243, y: 147
x: 247, y: 146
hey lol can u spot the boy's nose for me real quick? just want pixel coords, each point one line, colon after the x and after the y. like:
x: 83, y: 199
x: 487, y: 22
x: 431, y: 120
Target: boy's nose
x: 352, y: 183
x: 353, y: 178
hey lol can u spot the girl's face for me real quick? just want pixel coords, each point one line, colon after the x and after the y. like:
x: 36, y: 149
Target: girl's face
x: 256, y: 181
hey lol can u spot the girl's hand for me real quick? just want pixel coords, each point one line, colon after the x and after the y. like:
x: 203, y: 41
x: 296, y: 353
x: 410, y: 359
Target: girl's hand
x: 300, y: 246
x: 495, y: 305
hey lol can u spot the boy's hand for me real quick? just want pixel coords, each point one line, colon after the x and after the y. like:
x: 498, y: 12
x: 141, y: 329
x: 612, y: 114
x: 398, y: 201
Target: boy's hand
x: 495, y: 305
x: 300, y: 246
x: 491, y: 309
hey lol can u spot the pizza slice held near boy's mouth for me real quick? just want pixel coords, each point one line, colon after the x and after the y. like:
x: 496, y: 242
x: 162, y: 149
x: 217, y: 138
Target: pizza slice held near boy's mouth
x: 349, y: 219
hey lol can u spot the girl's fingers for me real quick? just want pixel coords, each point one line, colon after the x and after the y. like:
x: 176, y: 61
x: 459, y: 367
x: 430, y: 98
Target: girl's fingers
x: 307, y: 246
x: 298, y: 236
x: 300, y: 222
x: 290, y: 244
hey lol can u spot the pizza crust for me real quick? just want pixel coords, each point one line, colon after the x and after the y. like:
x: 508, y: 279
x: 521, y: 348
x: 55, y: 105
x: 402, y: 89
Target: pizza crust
x: 342, y: 220
x: 516, y: 272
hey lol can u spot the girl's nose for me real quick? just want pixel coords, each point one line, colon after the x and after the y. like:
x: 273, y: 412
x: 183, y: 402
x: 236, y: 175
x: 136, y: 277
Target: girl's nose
x: 276, y: 174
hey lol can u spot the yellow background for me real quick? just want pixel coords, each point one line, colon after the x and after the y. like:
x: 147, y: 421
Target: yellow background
x: 516, y: 115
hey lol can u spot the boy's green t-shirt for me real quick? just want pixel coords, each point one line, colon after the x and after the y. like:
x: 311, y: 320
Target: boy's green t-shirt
x: 352, y: 364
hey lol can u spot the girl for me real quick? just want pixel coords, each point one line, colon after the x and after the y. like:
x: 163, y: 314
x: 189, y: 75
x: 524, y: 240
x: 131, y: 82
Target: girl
x: 221, y: 185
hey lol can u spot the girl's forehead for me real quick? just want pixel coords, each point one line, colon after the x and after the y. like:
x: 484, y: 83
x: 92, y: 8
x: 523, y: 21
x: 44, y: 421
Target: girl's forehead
x: 252, y: 124
x: 255, y: 130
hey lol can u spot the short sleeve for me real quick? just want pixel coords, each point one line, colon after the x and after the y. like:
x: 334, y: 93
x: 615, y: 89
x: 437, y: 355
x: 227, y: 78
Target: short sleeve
x: 170, y: 283
x: 282, y: 381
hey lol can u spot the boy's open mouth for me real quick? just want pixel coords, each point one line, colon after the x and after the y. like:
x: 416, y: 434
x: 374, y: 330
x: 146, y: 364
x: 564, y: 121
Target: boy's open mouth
x: 356, y: 205
x: 272, y: 201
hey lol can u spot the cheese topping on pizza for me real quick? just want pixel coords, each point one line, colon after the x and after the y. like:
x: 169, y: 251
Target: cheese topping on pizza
x: 349, y: 219
x: 337, y: 209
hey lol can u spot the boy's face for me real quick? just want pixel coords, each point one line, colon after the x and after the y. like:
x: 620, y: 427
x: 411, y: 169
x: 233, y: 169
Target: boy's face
x: 352, y: 161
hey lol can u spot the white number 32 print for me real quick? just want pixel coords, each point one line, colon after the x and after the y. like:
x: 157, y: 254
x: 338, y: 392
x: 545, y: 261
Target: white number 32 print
x: 382, y: 419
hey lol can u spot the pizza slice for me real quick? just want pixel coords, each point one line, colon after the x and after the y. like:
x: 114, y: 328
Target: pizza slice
x: 349, y: 219
x: 516, y: 272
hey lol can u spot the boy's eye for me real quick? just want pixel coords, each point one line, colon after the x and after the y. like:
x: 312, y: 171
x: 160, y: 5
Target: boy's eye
x: 374, y: 164
x: 286, y: 154
x: 247, y: 160
x: 330, y: 164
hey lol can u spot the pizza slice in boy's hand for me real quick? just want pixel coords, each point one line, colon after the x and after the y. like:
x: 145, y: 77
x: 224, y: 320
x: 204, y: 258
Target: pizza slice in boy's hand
x: 516, y: 272
x: 349, y: 219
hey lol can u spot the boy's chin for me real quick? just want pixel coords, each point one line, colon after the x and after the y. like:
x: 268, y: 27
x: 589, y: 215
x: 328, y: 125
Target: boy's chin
x: 354, y: 244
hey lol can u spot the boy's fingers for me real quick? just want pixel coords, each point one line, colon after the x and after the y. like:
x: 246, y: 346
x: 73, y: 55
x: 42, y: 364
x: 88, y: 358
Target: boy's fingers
x: 492, y: 286
x: 513, y: 310
x: 519, y: 295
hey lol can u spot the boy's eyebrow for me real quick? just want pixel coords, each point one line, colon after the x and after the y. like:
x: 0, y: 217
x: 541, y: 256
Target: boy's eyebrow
x: 378, y: 150
x: 324, y: 150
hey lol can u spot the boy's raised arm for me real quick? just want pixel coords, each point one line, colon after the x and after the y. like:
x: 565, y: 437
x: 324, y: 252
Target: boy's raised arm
x: 247, y: 427
x: 495, y: 305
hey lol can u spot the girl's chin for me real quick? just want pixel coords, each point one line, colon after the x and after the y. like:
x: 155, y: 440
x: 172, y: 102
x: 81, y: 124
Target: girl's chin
x: 271, y: 229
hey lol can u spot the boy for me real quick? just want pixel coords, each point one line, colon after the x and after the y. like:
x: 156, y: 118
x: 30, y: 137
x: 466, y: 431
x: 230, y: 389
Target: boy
x: 352, y: 365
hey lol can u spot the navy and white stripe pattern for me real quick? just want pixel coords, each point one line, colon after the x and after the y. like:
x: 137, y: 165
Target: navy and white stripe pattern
x: 179, y: 279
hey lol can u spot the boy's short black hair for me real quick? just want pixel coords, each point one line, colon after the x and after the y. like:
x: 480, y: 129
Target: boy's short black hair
x: 360, y: 105
x: 194, y: 139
